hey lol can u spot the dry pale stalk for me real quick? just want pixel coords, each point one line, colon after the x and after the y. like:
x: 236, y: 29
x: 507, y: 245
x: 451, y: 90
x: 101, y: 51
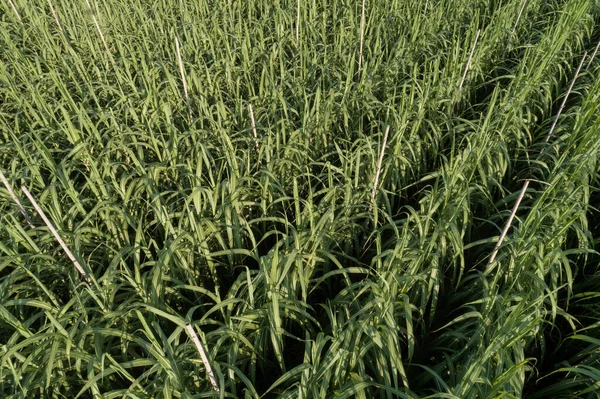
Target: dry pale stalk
x: 512, y: 32
x: 509, y: 222
x: 298, y: 24
x: 462, y: 81
x: 182, y: 71
x: 526, y: 184
x: 56, y: 235
x: 518, y: 18
x: 192, y: 333
x: 562, y: 105
x: 96, y: 23
x: 16, y: 199
x: 593, y: 56
x: 253, y: 126
x: 379, y: 162
x: 362, y: 38
x: 15, y: 10
x: 55, y: 17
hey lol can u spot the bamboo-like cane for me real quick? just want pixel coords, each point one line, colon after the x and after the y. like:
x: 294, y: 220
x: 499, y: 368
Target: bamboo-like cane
x: 253, y: 126
x: 97, y: 24
x: 464, y: 77
x: 509, y: 222
x: 16, y: 199
x: 512, y: 32
x: 12, y: 5
x: 526, y: 184
x: 200, y: 348
x: 56, y: 235
x: 362, y: 38
x: 379, y: 162
x: 55, y: 17
x: 182, y: 71
x: 298, y: 24
x: 564, y: 101
x: 593, y: 56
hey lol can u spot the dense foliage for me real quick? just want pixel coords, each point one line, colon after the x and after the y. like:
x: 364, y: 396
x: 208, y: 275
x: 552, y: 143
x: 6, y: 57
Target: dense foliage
x: 226, y: 164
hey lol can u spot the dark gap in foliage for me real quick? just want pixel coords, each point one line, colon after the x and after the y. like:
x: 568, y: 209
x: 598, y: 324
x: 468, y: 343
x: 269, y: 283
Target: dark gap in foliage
x: 553, y: 349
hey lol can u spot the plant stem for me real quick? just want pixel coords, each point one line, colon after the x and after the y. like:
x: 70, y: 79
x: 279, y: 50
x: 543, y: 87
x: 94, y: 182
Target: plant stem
x: 16, y: 199
x: 55, y: 17
x: 509, y: 222
x: 512, y: 32
x: 181, y: 70
x: 12, y: 5
x: 253, y: 126
x: 564, y: 101
x: 97, y: 24
x: 462, y: 81
x: 526, y: 184
x: 362, y: 37
x: 56, y: 235
x: 200, y: 348
x: 298, y: 24
x: 593, y: 56
x: 379, y: 162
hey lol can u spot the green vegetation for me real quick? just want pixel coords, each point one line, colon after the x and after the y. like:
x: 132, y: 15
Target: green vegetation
x: 227, y: 164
